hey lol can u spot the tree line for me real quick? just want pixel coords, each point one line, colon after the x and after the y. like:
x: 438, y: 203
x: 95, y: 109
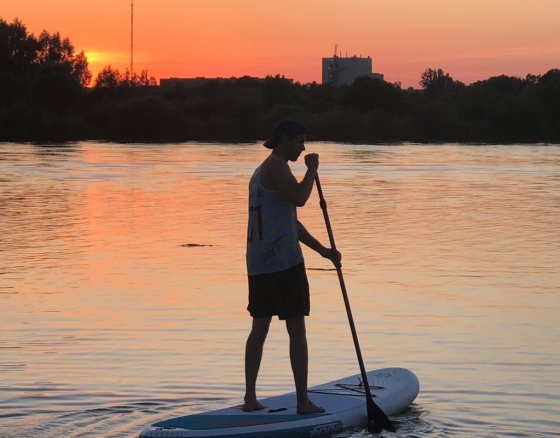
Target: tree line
x: 48, y: 94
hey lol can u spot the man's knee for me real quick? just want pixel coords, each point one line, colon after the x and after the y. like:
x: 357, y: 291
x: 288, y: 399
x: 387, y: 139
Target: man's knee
x: 260, y: 327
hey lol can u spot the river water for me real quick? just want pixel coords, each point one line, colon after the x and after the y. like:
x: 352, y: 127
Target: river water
x: 123, y: 288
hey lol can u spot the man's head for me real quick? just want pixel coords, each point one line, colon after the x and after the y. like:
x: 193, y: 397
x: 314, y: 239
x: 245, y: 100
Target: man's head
x: 285, y: 129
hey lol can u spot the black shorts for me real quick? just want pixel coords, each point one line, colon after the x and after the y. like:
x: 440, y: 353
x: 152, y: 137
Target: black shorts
x: 283, y: 293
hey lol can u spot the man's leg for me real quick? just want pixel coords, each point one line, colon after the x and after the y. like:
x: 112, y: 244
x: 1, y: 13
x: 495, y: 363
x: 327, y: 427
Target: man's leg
x: 299, y: 361
x: 253, y: 356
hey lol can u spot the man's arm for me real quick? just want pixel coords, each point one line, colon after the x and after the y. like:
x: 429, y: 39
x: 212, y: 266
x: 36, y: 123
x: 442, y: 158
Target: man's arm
x: 286, y: 184
x: 306, y: 238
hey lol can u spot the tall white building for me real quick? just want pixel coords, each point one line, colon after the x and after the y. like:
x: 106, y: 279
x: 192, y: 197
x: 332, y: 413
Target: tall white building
x: 343, y: 71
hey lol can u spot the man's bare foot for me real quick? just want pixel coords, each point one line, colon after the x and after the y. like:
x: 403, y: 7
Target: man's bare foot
x: 253, y: 405
x: 309, y: 408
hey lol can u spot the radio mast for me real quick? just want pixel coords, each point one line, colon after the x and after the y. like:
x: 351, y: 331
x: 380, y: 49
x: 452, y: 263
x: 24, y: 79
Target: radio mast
x: 131, y: 36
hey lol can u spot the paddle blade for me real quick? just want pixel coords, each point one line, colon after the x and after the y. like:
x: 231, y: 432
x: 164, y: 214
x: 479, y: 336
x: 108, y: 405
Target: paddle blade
x: 377, y: 420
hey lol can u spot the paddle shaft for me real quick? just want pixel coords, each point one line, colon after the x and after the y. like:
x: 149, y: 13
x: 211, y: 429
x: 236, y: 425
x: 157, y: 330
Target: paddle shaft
x: 377, y: 418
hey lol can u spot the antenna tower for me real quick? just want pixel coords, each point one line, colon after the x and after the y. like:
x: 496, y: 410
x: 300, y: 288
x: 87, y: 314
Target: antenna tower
x: 131, y: 36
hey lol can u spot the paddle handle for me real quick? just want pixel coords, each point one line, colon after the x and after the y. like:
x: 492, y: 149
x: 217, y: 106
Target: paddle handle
x: 375, y: 414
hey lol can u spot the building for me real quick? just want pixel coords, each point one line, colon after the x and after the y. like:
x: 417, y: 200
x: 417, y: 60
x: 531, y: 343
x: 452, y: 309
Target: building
x: 343, y: 71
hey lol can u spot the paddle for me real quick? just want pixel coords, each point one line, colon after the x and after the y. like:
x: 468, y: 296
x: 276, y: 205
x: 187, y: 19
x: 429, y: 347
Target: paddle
x: 377, y: 420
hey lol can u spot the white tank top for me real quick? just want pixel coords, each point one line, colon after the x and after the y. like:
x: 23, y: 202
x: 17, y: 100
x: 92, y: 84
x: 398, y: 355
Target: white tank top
x: 272, y: 238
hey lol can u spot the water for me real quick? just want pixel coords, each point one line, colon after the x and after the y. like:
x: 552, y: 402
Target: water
x: 123, y: 288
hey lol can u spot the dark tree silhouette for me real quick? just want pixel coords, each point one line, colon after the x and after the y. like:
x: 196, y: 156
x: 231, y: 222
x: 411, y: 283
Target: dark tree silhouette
x: 112, y: 78
x: 368, y: 94
x: 18, y: 49
x: 440, y: 85
x: 108, y: 78
x: 44, y: 96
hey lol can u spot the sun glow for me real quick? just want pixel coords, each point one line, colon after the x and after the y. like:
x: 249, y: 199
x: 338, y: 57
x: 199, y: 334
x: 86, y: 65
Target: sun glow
x: 98, y: 60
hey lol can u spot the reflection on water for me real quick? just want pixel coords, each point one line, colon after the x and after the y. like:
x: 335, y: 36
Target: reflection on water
x: 123, y: 288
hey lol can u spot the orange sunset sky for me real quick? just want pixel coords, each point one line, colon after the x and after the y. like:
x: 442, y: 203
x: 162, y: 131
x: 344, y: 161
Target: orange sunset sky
x: 470, y: 39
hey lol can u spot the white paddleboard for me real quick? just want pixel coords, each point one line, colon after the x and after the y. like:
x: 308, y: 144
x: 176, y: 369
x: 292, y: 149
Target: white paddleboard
x: 393, y: 390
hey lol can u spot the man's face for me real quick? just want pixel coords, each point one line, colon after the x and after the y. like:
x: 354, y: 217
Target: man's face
x: 296, y: 147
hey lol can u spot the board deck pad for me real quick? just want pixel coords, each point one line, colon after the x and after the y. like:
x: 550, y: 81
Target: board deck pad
x: 393, y: 390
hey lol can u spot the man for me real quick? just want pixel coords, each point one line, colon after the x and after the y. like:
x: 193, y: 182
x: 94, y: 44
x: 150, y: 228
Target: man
x: 276, y: 271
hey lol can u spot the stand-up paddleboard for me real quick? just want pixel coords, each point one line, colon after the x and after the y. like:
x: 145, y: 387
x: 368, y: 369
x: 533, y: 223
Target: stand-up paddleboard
x: 393, y: 390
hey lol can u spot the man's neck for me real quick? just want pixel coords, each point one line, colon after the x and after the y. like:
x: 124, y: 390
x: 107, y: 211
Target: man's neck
x: 280, y: 153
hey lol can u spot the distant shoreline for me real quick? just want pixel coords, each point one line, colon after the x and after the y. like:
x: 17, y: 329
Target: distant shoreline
x: 370, y: 111
x: 44, y: 97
